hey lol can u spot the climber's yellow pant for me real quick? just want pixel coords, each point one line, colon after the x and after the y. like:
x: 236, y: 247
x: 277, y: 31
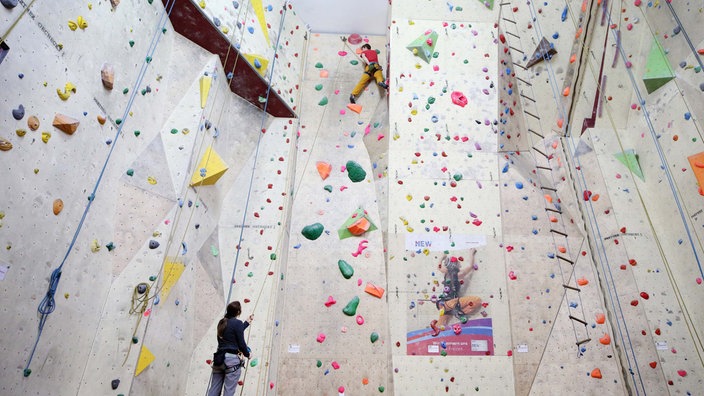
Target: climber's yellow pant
x: 373, y: 69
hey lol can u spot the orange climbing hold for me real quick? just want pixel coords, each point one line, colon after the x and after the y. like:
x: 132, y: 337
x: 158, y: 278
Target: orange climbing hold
x: 605, y: 340
x: 548, y: 198
x: 359, y: 227
x: 559, y: 122
x: 596, y: 373
x: 582, y: 282
x: 600, y: 318
x: 324, y: 169
x: 562, y: 249
x: 573, y: 58
x: 354, y: 107
x: 566, y: 91
x: 374, y: 290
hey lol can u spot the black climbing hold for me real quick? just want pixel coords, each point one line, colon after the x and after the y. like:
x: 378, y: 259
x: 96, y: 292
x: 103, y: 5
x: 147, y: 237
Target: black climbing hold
x: 110, y: 246
x: 153, y: 244
x: 135, y: 340
x: 18, y: 113
x: 10, y: 4
x: 115, y: 383
x: 141, y: 288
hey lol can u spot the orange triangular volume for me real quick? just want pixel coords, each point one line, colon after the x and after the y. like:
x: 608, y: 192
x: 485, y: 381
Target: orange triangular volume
x: 374, y: 290
x: 324, y: 169
x: 354, y: 107
x: 359, y: 227
x: 596, y: 373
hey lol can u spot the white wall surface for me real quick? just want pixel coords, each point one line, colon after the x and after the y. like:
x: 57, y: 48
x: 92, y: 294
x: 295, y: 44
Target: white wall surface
x: 368, y: 17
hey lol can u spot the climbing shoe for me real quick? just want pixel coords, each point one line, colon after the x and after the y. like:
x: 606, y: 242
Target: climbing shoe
x: 352, y: 99
x: 436, y: 330
x: 384, y: 85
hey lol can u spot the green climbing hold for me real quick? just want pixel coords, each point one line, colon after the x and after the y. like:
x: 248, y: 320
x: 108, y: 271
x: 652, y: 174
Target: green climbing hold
x: 318, y: 65
x: 319, y: 87
x: 381, y: 389
x: 354, y: 62
x: 355, y: 172
x: 272, y: 256
x: 148, y: 59
x: 313, y: 231
x: 443, y: 353
x: 351, y: 308
x: 250, y: 274
x: 346, y: 269
x: 323, y: 101
x: 118, y: 121
x: 124, y: 91
x: 135, y: 340
x: 110, y: 246
x: 262, y: 99
x: 319, y: 363
x: 374, y: 337
x: 27, y: 372
x: 174, y: 131
x: 130, y: 172
x: 152, y: 278
x: 131, y: 43
x: 457, y: 176
x: 137, y: 133
x: 328, y: 188
x: 214, y: 250
x: 253, y: 362
x: 431, y: 100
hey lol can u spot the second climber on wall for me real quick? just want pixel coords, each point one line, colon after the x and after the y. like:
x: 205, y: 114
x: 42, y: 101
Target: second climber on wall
x: 372, y: 70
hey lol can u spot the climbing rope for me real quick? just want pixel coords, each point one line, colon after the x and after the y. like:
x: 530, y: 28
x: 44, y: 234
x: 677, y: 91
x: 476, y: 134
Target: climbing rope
x: 12, y: 26
x: 48, y: 304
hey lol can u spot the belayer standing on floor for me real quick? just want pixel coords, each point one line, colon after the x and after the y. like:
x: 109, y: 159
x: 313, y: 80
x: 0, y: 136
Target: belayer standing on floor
x: 372, y: 69
x: 232, y: 348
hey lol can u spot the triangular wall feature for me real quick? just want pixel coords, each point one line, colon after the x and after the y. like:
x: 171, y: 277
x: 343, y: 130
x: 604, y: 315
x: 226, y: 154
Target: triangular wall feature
x: 148, y: 172
x: 424, y: 46
x: 657, y: 69
x: 630, y: 159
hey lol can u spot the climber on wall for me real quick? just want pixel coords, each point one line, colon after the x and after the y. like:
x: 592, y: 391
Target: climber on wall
x: 450, y: 302
x: 372, y: 69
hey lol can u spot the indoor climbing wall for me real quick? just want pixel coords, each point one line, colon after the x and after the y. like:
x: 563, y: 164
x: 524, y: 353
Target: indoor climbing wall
x: 164, y: 155
x: 260, y: 29
x: 637, y: 188
x: 332, y: 327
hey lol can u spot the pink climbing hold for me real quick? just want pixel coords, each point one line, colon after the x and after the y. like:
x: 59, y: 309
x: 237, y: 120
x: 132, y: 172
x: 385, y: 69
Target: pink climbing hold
x: 342, y: 53
x: 341, y: 389
x: 330, y: 302
x: 512, y: 275
x: 459, y: 99
x: 335, y: 365
x: 354, y: 39
x: 360, y: 320
x: 699, y: 281
x: 682, y: 373
x: 321, y: 337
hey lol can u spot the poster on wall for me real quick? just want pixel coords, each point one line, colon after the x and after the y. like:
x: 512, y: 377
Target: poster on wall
x: 446, y: 314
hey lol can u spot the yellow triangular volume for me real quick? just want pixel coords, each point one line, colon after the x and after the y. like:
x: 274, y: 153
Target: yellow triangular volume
x: 209, y: 170
x: 146, y: 357
x: 173, y: 268
x: 259, y: 11
x: 258, y: 62
x: 205, y: 83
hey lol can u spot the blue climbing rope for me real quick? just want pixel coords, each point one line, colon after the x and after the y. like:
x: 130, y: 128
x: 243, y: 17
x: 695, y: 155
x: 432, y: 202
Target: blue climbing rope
x: 48, y: 303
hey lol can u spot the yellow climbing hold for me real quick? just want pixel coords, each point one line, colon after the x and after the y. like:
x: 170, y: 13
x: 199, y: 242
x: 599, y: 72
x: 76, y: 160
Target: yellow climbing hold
x: 68, y: 90
x: 173, y: 268
x: 45, y: 137
x: 205, y: 83
x: 81, y: 22
x: 72, y: 25
x: 225, y: 29
x: 209, y: 170
x: 146, y: 357
x: 151, y: 180
x: 94, y: 246
x: 201, y: 3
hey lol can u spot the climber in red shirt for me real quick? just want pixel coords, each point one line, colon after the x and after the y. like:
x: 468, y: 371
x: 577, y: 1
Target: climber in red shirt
x: 372, y: 69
